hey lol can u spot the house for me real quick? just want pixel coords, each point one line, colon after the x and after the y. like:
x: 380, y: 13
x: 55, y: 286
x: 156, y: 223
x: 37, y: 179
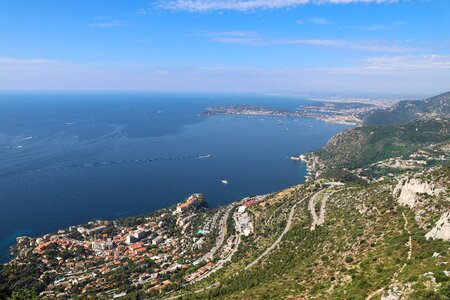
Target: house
x: 241, y: 209
x: 192, y: 202
x: 158, y: 240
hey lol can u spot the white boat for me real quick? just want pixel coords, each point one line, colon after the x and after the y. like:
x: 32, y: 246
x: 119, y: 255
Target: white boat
x: 224, y: 181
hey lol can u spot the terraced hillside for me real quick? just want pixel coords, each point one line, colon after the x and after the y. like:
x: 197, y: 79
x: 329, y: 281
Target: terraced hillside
x: 369, y: 244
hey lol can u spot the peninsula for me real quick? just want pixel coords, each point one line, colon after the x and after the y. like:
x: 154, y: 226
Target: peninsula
x: 349, y: 113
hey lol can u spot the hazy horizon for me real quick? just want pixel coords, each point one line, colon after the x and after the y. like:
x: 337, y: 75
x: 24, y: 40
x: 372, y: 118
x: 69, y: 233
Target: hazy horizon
x: 264, y: 46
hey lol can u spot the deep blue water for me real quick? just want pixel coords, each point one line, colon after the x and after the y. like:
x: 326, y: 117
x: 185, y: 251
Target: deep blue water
x: 68, y: 158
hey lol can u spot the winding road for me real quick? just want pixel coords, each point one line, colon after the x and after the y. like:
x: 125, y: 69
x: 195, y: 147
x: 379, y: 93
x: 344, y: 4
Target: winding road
x: 220, y: 238
x: 278, y: 240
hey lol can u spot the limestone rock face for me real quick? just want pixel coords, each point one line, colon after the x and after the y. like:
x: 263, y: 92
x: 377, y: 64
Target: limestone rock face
x: 407, y: 189
x: 441, y: 230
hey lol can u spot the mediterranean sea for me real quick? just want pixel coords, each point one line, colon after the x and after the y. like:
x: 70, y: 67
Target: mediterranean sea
x: 67, y: 158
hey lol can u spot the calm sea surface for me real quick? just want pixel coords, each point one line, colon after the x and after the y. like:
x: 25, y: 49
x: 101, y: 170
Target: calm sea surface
x: 68, y: 158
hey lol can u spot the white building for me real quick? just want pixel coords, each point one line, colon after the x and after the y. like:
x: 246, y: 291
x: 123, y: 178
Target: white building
x: 241, y: 209
x: 158, y: 240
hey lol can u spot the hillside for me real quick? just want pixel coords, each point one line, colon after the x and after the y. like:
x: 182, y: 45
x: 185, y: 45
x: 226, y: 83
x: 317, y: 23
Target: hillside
x: 410, y: 110
x: 413, y: 145
x: 368, y: 245
x: 382, y: 233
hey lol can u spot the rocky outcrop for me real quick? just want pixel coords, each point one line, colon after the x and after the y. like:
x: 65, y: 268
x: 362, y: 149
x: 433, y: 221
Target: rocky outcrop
x: 408, y: 189
x: 441, y: 230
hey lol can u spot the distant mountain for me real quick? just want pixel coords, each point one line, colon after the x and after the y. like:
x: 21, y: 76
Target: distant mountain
x: 411, y: 110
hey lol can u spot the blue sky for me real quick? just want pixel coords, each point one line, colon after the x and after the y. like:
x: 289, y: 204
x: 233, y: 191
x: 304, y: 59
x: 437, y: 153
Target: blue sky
x: 383, y: 46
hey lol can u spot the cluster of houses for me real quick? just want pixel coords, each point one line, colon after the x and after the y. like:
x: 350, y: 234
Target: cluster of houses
x: 243, y: 221
x: 82, y: 259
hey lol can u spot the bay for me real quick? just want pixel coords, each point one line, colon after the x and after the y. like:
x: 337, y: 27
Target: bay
x: 68, y: 157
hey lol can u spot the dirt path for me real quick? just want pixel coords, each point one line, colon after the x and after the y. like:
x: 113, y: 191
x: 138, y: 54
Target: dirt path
x: 394, y: 277
x: 410, y: 238
x: 278, y: 240
x: 318, y: 219
x: 373, y: 294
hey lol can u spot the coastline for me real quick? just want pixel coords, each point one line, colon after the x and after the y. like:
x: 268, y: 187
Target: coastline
x: 309, y: 176
x: 92, y: 241
x: 345, y: 113
x: 312, y: 165
x: 109, y: 206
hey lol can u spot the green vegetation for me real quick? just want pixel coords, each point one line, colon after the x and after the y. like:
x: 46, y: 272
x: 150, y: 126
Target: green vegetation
x: 408, y: 111
x: 360, y: 147
x: 362, y: 247
x: 341, y: 176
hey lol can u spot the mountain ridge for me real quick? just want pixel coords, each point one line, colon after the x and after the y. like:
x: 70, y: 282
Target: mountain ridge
x: 411, y: 110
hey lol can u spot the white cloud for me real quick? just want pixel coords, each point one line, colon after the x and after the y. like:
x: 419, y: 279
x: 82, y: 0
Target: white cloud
x: 383, y: 74
x: 234, y: 37
x: 7, y: 61
x: 236, y: 34
x: 141, y: 12
x: 408, y: 62
x: 243, y: 41
x: 253, y: 38
x: 319, y: 21
x: 374, y: 27
x: 379, y: 27
x: 249, y: 5
x: 107, y: 24
x: 354, y: 45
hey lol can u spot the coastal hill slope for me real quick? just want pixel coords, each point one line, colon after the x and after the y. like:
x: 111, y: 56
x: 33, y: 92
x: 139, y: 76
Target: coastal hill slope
x: 411, y: 110
x: 368, y: 244
x: 364, y: 146
x: 371, y: 223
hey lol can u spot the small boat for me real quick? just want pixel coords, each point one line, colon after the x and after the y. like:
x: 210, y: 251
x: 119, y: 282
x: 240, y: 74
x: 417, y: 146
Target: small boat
x: 224, y: 181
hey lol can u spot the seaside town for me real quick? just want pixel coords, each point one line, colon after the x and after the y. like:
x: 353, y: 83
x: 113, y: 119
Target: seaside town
x: 348, y: 113
x: 107, y: 259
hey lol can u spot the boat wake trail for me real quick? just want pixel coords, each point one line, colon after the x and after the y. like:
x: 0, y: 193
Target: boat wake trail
x: 111, y: 162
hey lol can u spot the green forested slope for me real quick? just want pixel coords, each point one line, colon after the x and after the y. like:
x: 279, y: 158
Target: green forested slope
x: 410, y: 110
x: 360, y: 147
